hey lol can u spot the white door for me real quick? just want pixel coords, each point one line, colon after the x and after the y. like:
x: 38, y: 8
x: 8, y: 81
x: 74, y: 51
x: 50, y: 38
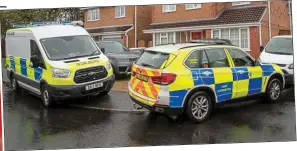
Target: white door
x: 112, y: 38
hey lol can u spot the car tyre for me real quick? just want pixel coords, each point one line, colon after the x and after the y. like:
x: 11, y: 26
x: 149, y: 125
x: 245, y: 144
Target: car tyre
x: 199, y: 107
x: 46, y: 95
x: 273, y: 90
x: 14, y: 84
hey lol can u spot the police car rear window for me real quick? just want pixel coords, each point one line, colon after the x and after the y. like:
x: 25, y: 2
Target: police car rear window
x: 152, y: 59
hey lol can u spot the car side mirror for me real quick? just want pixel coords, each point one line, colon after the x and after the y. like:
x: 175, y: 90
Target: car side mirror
x: 261, y: 48
x: 102, y: 50
x: 34, y: 60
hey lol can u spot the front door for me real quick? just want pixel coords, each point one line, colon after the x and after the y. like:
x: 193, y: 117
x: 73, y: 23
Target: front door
x: 247, y: 76
x: 197, y: 35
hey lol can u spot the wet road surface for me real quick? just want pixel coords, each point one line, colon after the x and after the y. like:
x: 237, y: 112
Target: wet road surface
x: 30, y: 126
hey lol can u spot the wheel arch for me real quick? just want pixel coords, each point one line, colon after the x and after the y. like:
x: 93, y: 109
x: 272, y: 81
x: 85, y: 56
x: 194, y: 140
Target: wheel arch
x: 206, y: 88
x: 273, y: 76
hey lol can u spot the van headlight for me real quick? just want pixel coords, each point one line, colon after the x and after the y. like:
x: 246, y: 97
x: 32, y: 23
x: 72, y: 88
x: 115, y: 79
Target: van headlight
x: 60, y: 73
x: 291, y: 66
x: 108, y: 65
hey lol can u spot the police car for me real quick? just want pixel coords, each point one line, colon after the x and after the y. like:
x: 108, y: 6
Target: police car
x: 193, y: 77
x: 56, y: 60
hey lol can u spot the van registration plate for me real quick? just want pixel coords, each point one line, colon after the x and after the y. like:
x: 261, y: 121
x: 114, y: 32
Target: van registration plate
x: 94, y: 86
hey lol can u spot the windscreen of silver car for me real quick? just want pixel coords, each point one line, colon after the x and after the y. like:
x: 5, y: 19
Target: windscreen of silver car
x: 112, y: 47
x: 69, y: 47
x: 283, y: 46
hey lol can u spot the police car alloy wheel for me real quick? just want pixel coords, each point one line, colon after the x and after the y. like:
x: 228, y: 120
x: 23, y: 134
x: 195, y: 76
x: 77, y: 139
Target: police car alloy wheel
x: 274, y: 89
x: 199, y: 107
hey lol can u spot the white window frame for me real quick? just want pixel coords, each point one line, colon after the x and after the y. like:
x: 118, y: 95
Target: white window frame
x: 93, y: 12
x: 120, y: 8
x: 166, y: 36
x: 240, y: 3
x: 239, y: 32
x: 192, y: 6
x: 167, y: 11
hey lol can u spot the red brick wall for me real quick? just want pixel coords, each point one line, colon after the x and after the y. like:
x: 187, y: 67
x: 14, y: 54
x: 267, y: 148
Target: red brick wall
x: 144, y: 18
x: 279, y: 20
x: 107, y: 17
x: 207, y: 10
x: 254, y: 42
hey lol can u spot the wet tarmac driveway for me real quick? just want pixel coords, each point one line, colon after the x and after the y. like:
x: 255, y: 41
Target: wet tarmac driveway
x: 30, y: 126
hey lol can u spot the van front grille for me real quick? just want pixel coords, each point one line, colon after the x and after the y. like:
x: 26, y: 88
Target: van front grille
x: 90, y: 74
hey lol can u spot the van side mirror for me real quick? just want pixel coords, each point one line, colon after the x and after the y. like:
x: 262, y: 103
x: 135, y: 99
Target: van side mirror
x: 102, y: 50
x: 34, y: 60
x: 261, y: 48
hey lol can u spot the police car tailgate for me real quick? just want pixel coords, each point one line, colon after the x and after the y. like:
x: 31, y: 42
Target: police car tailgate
x: 147, y: 76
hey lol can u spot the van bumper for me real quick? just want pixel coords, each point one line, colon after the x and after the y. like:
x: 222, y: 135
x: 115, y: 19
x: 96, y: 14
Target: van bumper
x: 289, y: 79
x: 77, y: 91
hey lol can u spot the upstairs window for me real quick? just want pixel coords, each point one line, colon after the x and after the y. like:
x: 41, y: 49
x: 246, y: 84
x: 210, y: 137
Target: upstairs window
x: 120, y: 11
x: 169, y: 8
x: 193, y: 6
x: 93, y: 14
x: 240, y: 3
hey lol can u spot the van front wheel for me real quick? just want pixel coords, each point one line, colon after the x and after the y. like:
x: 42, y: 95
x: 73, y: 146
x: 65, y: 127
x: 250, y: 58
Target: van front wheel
x: 46, y: 96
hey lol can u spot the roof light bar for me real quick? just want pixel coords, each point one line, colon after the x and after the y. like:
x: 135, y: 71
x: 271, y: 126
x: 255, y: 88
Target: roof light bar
x: 35, y: 24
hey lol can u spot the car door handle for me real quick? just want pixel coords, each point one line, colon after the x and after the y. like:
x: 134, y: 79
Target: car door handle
x: 240, y: 72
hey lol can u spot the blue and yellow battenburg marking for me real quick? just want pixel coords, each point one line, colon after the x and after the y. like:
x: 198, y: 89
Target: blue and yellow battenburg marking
x: 227, y: 83
x: 22, y: 67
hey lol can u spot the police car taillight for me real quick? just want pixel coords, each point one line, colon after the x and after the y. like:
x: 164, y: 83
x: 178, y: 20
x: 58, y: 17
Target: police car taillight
x: 164, y: 79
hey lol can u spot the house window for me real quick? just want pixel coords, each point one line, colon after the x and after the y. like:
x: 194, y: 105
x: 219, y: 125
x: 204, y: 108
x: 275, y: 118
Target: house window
x: 169, y: 8
x: 193, y: 6
x: 93, y: 14
x: 238, y: 36
x: 120, y: 11
x: 167, y: 38
x: 240, y: 3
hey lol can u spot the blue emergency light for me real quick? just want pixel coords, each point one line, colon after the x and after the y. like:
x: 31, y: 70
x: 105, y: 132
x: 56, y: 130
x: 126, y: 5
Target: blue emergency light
x: 35, y: 24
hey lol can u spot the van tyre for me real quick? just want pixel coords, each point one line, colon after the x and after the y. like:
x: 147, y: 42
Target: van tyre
x: 199, y: 107
x: 14, y: 84
x: 46, y: 95
x: 273, y: 91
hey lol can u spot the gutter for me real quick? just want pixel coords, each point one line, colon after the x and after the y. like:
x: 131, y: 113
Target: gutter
x: 201, y: 27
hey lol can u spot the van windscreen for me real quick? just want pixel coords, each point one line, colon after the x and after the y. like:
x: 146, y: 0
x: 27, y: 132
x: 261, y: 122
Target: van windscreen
x: 283, y: 46
x: 69, y: 47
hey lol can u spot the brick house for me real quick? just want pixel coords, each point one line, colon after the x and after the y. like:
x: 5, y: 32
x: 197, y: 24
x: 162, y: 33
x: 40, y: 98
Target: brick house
x: 120, y: 23
x: 248, y: 25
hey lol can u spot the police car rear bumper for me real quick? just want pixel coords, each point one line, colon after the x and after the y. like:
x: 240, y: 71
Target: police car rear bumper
x: 159, y: 109
x: 76, y: 91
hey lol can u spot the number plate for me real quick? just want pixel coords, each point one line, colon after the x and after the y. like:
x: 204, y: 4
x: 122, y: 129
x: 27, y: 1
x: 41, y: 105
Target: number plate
x: 94, y: 86
x: 142, y: 77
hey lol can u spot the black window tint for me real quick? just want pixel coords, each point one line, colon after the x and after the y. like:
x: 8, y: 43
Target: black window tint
x: 193, y: 60
x: 35, y: 51
x: 217, y: 58
x: 240, y: 58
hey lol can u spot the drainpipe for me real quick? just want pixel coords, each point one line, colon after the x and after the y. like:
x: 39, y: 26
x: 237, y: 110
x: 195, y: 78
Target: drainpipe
x: 127, y: 40
x: 290, y: 15
x: 269, y: 15
x: 135, y: 24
